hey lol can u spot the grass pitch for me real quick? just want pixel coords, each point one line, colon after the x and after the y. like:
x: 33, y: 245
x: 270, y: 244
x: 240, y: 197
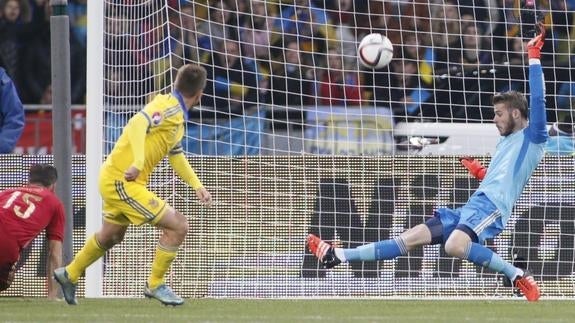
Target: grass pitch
x: 299, y: 311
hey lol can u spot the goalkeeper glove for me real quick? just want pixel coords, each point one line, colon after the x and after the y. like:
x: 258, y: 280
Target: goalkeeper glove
x: 473, y: 166
x: 534, y: 45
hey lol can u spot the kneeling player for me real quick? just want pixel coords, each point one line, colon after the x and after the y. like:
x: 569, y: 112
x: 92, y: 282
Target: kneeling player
x: 25, y: 212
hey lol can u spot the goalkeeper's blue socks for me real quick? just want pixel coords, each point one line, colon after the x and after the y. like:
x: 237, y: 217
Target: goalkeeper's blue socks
x: 382, y: 250
x: 482, y: 256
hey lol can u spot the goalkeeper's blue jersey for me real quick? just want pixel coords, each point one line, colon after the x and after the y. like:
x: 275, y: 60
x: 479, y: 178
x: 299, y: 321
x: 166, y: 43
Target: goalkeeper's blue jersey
x: 518, y: 154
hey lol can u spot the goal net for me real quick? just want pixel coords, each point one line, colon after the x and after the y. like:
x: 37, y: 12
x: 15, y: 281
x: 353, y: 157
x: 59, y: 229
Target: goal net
x: 293, y: 136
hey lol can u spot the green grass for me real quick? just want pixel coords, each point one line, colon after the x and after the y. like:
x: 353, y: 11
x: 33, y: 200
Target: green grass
x: 298, y: 311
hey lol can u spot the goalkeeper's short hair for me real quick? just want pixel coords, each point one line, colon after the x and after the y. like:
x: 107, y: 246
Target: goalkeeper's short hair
x: 514, y: 100
x: 191, y: 79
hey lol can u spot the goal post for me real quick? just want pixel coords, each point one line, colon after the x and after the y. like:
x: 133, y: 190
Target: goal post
x: 294, y: 137
x: 94, y: 136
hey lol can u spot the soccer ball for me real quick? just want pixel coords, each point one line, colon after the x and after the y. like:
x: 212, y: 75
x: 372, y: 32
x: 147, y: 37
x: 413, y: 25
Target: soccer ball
x: 375, y: 51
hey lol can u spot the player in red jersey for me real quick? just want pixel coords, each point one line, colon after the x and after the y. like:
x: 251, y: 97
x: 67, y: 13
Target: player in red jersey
x: 24, y: 213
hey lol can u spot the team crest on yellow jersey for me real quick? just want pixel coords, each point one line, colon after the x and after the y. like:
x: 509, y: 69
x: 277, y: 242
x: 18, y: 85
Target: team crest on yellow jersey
x: 156, y: 118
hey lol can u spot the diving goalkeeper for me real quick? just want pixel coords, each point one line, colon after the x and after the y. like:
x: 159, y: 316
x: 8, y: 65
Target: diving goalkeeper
x: 464, y: 230
x: 150, y: 135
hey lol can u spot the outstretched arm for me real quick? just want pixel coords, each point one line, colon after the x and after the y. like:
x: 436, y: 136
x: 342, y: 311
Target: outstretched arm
x: 55, y: 236
x: 537, y: 129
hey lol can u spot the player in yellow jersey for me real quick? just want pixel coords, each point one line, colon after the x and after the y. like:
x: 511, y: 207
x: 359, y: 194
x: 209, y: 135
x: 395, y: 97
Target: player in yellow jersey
x: 150, y: 135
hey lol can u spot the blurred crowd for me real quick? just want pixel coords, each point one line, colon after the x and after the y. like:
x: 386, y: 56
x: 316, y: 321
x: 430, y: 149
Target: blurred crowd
x: 25, y: 48
x: 449, y: 56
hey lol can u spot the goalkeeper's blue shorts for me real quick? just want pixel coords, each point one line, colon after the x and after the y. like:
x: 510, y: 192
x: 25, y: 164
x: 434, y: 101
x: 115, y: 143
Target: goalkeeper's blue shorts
x: 479, y: 214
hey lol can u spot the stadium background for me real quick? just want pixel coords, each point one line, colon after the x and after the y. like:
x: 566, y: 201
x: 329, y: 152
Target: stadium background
x: 251, y: 243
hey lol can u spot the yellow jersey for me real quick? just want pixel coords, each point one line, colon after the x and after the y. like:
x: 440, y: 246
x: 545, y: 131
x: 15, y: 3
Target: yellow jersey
x: 150, y: 135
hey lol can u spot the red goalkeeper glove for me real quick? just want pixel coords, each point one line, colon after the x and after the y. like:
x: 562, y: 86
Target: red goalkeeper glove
x: 534, y: 45
x: 473, y: 166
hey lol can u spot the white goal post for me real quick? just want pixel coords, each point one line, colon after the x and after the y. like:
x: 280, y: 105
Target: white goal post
x: 94, y: 136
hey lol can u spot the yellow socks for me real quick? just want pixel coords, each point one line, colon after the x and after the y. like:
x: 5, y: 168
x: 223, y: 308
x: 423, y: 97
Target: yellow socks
x: 91, y: 252
x: 161, y: 264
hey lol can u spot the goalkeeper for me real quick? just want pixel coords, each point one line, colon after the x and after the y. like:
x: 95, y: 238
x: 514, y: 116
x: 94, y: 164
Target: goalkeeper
x: 150, y: 135
x: 464, y: 230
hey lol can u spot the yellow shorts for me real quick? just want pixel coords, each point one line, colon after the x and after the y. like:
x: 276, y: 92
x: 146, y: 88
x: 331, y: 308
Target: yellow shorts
x: 128, y: 203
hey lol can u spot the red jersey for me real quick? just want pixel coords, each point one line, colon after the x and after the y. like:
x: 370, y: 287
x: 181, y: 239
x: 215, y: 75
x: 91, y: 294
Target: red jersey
x: 27, y: 210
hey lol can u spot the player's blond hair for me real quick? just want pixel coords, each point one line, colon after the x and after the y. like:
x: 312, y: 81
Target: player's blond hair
x: 513, y: 100
x: 191, y: 80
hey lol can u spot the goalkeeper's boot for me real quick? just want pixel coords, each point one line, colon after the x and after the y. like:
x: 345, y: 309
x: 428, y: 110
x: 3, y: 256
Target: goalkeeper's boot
x: 323, y: 251
x: 527, y: 285
x: 164, y: 294
x: 68, y: 288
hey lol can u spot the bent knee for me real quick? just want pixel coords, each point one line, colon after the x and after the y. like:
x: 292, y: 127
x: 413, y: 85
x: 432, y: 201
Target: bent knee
x: 115, y: 239
x: 455, y: 248
x: 185, y: 227
x: 174, y: 223
x: 182, y: 227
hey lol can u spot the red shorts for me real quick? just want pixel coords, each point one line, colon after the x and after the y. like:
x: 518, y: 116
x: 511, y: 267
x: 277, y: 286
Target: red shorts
x: 9, y: 255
